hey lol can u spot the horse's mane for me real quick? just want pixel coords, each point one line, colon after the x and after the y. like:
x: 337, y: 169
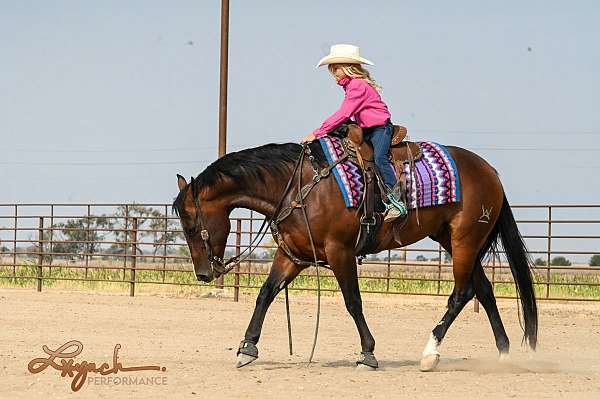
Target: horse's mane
x: 249, y: 165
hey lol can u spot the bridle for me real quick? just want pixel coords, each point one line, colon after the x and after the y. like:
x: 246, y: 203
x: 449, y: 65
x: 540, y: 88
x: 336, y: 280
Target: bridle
x: 217, y: 264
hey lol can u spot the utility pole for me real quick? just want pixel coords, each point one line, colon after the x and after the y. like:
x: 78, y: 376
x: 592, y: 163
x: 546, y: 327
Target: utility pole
x: 223, y: 85
x: 223, y: 89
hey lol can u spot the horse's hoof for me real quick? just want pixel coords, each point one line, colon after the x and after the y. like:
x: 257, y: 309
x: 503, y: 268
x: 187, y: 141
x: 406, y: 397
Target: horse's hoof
x: 504, y: 357
x: 429, y: 362
x: 246, y: 354
x: 243, y: 360
x: 364, y: 367
x: 367, y: 359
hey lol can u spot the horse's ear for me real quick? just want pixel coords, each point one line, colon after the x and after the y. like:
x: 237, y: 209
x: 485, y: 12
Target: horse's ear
x: 181, y: 182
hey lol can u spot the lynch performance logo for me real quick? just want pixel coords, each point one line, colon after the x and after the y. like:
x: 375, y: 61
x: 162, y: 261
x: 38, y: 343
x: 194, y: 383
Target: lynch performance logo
x: 79, y: 371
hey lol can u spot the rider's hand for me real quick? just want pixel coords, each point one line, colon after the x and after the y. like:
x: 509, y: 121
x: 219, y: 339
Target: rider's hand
x: 308, y: 138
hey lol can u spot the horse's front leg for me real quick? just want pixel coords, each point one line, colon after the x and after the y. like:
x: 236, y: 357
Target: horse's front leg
x: 343, y: 264
x: 283, y: 271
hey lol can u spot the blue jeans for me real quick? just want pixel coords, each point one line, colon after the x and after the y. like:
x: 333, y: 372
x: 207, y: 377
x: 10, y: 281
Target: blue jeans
x: 380, y: 138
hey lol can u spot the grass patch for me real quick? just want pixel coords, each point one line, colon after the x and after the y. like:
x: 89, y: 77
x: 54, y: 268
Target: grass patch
x: 179, y: 279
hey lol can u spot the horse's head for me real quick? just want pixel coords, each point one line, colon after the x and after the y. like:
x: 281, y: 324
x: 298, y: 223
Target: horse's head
x: 206, y: 226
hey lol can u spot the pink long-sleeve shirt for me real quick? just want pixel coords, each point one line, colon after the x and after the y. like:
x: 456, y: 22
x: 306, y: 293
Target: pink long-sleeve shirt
x: 361, y: 102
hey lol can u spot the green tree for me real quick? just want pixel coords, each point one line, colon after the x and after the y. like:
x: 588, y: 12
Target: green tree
x: 79, y: 236
x: 421, y: 258
x: 447, y: 257
x: 539, y: 262
x: 184, y: 250
x: 560, y: 261
x: 162, y: 232
x: 150, y: 224
x: 595, y: 260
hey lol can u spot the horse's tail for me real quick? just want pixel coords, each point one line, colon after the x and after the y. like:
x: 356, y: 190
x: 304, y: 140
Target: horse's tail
x: 520, y: 266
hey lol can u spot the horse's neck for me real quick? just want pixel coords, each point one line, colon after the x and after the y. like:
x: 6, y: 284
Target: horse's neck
x: 260, y: 197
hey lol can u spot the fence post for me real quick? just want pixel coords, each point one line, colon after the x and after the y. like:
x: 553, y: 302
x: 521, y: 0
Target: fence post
x: 125, y: 241
x: 388, y: 270
x: 51, y: 245
x: 494, y: 254
x: 439, y: 279
x: 238, y: 243
x: 40, y: 254
x: 87, y: 242
x: 249, y: 262
x: 165, y: 239
x: 219, y: 282
x: 134, y: 258
x: 15, y: 244
x: 548, y: 260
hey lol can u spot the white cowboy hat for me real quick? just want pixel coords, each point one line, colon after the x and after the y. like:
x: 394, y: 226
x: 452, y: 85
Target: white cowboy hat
x: 343, y: 54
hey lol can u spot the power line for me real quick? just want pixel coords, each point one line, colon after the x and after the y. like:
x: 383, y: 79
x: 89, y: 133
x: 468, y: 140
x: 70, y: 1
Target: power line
x: 420, y: 131
x: 116, y: 150
x: 143, y: 163
x: 25, y: 163
x: 103, y: 150
x: 529, y: 149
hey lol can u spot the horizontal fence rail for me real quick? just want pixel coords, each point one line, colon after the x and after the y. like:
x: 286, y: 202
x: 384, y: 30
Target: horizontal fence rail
x: 137, y: 245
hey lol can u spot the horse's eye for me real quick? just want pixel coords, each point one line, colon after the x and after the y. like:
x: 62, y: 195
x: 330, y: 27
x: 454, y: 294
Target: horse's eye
x: 191, y: 232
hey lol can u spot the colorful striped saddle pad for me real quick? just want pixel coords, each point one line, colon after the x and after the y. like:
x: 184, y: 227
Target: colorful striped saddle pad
x: 434, y: 179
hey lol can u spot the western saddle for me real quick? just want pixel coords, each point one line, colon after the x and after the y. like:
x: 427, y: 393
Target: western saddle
x: 401, y: 152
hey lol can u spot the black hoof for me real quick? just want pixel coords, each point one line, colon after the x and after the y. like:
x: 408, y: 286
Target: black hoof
x: 248, y: 348
x: 368, y: 359
x: 246, y: 354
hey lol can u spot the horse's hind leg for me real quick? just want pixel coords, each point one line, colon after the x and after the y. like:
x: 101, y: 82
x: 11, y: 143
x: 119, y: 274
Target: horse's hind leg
x: 485, y: 295
x: 463, y: 257
x: 462, y: 294
x: 282, y: 273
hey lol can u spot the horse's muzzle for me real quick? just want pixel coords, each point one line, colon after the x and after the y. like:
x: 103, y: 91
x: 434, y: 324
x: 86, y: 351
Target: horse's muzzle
x: 204, y: 278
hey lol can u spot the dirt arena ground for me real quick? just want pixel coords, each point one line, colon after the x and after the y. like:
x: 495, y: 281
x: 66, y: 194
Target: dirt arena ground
x: 196, y: 339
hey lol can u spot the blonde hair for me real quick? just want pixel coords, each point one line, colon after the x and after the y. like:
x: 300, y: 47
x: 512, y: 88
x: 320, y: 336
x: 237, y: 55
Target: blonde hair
x: 357, y: 71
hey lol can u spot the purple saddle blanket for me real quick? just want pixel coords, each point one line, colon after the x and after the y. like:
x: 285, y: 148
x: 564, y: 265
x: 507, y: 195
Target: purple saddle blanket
x: 434, y: 180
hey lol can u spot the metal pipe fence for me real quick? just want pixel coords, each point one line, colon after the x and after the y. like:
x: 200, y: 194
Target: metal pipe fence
x: 142, y: 245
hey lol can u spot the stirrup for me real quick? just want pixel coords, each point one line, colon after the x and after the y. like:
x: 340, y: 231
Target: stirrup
x: 394, y: 202
x: 392, y: 213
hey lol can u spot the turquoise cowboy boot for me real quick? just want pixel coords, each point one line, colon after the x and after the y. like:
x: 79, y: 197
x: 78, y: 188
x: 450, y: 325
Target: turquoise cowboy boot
x: 395, y: 207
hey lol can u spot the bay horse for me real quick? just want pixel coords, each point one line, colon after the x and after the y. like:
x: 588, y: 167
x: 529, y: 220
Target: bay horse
x: 257, y: 179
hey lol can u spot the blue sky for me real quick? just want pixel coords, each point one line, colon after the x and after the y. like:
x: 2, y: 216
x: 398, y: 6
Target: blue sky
x: 107, y: 101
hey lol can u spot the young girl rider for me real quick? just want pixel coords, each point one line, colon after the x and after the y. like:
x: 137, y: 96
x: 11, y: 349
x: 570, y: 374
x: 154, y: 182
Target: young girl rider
x: 363, y: 103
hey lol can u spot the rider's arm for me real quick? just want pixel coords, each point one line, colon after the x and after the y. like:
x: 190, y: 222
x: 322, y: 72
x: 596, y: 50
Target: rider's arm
x: 355, y: 96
